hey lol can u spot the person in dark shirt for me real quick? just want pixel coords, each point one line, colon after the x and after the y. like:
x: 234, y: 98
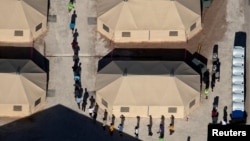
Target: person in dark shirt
x: 73, y: 17
x: 73, y: 21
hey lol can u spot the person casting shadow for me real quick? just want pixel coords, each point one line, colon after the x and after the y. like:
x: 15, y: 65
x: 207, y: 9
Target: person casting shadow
x: 138, y: 121
x: 150, y: 133
x: 122, y: 119
x: 188, y: 138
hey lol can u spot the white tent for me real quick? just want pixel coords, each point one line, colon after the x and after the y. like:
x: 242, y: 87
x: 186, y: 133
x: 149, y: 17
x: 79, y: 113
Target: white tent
x: 22, y: 20
x: 22, y: 87
x: 149, y: 20
x: 147, y: 88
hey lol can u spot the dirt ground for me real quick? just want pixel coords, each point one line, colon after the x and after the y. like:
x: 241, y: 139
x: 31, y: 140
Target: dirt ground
x: 214, y: 27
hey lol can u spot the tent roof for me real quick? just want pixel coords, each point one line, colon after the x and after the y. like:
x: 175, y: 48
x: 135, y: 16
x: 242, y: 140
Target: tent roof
x: 19, y: 66
x: 105, y: 5
x: 149, y: 14
x: 22, y: 14
x: 16, y: 89
x: 25, y: 68
x: 25, y: 53
x: 22, y: 81
x: 148, y: 82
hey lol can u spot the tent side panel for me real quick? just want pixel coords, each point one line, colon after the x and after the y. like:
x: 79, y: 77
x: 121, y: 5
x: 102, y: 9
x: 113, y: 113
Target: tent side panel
x: 149, y: 36
x: 36, y: 32
x: 164, y: 35
x: 158, y: 111
x: 132, y: 36
x: 101, y: 106
x: 100, y: 27
x: 6, y: 110
x: 194, y: 106
x: 39, y: 106
x: 8, y: 35
x: 134, y: 111
x: 196, y: 30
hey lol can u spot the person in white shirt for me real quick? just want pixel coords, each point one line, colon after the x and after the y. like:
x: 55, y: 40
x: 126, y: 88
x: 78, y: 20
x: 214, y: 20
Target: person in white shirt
x: 136, y: 131
x: 91, y: 110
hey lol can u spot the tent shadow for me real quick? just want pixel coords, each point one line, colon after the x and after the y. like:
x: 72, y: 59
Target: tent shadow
x: 27, y: 52
x: 58, y: 123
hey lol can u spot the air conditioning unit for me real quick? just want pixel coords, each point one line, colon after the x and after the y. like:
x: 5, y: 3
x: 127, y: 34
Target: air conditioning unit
x: 238, y: 61
x: 238, y: 97
x: 238, y: 79
x: 238, y: 70
x: 238, y: 88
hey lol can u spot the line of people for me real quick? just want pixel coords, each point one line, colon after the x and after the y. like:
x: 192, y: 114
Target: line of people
x: 82, y: 98
x: 137, y: 126
x: 215, y: 76
x: 215, y: 72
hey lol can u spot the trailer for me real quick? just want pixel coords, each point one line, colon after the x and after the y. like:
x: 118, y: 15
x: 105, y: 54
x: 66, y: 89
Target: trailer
x: 238, y: 115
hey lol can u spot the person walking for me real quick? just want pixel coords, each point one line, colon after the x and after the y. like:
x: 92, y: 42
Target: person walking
x: 206, y: 76
x: 162, y: 120
x: 122, y: 119
x: 79, y: 69
x: 74, y: 44
x: 91, y: 110
x: 104, y: 123
x: 76, y: 49
x: 225, y: 114
x: 92, y: 100
x: 74, y: 67
x: 73, y: 21
x: 172, y: 119
x: 136, y: 131
x: 75, y: 35
x: 84, y: 104
x: 76, y: 59
x: 150, y: 133
x: 212, y: 85
x: 86, y: 94
x: 213, y: 82
x: 161, y: 130
x: 138, y: 121
x: 78, y: 100
x: 113, y: 119
x: 214, y: 115
x: 171, y: 129
x: 206, y: 91
x: 73, y: 18
x: 70, y: 6
x: 120, y: 128
x: 94, y: 116
x: 111, y: 129
x: 96, y: 108
x: 104, y: 119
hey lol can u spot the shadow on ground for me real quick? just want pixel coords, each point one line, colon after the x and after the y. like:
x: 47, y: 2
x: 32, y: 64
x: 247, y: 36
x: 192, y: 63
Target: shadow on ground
x: 58, y: 123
